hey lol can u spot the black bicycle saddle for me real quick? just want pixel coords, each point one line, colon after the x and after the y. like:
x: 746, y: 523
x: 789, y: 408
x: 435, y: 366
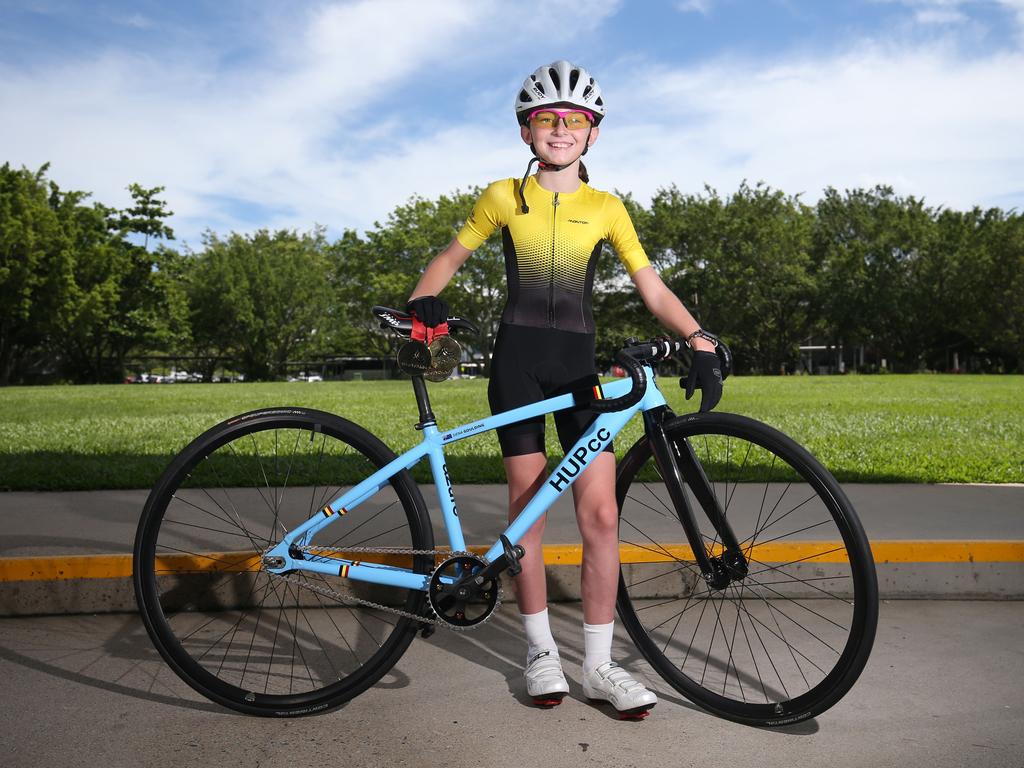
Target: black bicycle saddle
x: 401, y: 322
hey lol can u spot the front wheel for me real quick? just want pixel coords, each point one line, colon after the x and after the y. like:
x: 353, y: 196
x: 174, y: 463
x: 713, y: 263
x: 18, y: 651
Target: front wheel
x: 251, y: 640
x: 790, y: 633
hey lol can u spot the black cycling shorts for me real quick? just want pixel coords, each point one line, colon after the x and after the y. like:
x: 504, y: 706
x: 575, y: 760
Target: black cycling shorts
x: 531, y: 364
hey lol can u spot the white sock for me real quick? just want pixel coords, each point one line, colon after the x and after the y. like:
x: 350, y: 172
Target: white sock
x: 538, y: 634
x: 597, y: 645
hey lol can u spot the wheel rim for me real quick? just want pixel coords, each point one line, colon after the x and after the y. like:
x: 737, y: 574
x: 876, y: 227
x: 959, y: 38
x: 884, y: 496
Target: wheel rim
x: 246, y: 637
x: 785, y: 639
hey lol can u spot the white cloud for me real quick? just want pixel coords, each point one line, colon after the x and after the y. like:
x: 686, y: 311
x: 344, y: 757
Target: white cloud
x: 297, y: 136
x: 940, y: 15
x: 695, y: 6
x: 277, y: 134
x: 136, y: 20
x: 940, y: 12
x: 924, y: 120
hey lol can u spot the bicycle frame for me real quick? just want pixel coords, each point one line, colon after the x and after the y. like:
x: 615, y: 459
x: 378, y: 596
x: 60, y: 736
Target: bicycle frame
x: 286, y: 556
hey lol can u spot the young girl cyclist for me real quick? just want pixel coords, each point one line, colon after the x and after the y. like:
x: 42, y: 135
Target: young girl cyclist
x: 553, y: 226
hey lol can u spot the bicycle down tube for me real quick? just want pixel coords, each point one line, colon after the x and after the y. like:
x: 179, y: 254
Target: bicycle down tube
x: 603, y: 430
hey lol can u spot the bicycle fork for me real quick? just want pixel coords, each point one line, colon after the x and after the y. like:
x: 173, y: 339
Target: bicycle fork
x: 678, y: 464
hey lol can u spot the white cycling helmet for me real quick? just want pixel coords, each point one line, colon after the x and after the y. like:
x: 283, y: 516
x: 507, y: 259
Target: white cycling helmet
x: 560, y: 82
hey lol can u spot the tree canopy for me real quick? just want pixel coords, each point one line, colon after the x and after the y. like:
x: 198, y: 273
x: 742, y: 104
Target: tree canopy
x: 84, y: 287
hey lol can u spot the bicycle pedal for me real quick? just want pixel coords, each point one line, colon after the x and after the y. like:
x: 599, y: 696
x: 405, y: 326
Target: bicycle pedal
x: 548, y: 701
x: 512, y: 556
x: 637, y: 713
x: 634, y: 715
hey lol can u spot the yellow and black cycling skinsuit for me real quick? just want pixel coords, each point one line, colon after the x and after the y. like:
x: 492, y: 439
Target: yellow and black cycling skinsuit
x: 545, y: 343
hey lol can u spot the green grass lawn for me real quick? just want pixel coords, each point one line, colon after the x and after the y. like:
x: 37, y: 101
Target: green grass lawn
x: 922, y: 429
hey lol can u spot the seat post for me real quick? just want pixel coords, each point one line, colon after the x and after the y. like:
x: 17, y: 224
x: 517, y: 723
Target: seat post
x: 419, y: 386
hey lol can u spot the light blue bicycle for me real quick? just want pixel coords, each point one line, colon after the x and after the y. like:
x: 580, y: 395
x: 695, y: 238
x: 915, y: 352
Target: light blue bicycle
x: 284, y: 561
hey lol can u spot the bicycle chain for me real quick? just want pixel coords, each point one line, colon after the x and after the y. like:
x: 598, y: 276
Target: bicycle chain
x: 328, y: 592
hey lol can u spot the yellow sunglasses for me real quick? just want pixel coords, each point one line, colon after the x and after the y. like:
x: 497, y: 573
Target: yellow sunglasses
x: 574, y: 119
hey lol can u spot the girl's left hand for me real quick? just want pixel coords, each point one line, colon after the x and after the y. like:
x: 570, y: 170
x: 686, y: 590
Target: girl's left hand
x: 705, y: 373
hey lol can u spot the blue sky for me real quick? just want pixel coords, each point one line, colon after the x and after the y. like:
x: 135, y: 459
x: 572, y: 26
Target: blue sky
x: 285, y: 115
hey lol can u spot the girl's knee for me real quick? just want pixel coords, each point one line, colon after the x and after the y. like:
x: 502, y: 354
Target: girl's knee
x: 601, y: 522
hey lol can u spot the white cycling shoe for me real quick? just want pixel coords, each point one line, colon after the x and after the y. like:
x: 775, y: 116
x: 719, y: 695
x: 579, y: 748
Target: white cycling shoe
x: 611, y: 683
x: 545, y: 682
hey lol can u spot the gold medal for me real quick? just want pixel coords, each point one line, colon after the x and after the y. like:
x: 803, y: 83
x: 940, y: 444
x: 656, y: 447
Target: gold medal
x: 445, y: 355
x: 414, y: 357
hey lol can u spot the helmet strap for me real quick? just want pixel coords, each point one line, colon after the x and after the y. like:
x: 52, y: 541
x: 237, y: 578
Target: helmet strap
x: 543, y: 166
x: 522, y: 185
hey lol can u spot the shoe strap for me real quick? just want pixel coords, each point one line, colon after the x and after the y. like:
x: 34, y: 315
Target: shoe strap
x: 542, y: 654
x: 617, y: 676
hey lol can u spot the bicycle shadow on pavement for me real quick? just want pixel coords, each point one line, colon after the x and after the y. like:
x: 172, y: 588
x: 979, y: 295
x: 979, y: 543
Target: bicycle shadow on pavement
x: 80, y: 654
x: 85, y: 651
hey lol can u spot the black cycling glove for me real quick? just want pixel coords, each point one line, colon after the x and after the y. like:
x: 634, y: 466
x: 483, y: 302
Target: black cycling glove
x: 705, y: 373
x: 430, y: 310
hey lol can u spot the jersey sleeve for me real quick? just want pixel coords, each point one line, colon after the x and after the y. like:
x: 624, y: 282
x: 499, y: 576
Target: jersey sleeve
x: 622, y: 236
x: 489, y: 213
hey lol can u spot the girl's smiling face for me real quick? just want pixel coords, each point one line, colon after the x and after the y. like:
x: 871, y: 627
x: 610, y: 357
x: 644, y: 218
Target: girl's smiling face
x: 559, y: 145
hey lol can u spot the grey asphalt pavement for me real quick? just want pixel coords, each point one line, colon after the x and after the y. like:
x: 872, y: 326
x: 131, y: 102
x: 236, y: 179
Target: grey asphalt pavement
x: 104, y: 522
x: 942, y: 688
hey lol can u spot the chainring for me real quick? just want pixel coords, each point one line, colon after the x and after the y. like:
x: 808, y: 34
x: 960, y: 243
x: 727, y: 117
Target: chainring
x: 462, y: 603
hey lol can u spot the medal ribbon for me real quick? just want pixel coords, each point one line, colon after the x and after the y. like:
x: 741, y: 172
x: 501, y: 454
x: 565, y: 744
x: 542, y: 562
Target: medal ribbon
x: 421, y: 332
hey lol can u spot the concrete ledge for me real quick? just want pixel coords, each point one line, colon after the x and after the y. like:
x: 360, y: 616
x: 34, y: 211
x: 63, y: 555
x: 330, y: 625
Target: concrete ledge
x: 906, y: 569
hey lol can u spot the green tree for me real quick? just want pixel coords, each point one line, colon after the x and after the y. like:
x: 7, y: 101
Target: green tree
x: 995, y: 300
x: 383, y: 268
x: 866, y: 243
x: 740, y: 264
x: 146, y: 215
x: 260, y: 298
x: 35, y: 259
x: 119, y: 300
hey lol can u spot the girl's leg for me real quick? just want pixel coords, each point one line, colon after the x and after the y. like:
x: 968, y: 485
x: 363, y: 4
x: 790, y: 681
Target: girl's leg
x: 597, y: 515
x: 545, y: 682
x: 526, y: 474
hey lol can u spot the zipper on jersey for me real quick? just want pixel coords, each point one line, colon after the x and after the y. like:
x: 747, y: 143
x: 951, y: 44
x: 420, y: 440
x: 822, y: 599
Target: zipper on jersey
x: 551, y: 277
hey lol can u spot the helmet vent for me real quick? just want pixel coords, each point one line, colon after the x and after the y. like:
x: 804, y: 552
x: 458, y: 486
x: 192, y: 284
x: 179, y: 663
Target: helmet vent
x: 524, y: 96
x: 539, y: 86
x: 599, y: 102
x: 574, y: 78
x: 586, y: 91
x: 555, y: 78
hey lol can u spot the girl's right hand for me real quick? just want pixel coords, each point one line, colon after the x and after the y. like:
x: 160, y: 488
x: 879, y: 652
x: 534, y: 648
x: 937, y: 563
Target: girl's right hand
x: 429, y: 310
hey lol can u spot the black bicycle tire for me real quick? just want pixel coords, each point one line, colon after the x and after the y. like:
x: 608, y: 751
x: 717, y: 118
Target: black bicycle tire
x: 865, y: 616
x: 147, y: 594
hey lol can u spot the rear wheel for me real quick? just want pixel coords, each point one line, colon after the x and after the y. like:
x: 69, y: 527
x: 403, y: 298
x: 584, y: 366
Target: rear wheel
x: 787, y: 639
x: 254, y: 641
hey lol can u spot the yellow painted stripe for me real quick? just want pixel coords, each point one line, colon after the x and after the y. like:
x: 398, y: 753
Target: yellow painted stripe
x: 895, y: 551
x: 892, y: 551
